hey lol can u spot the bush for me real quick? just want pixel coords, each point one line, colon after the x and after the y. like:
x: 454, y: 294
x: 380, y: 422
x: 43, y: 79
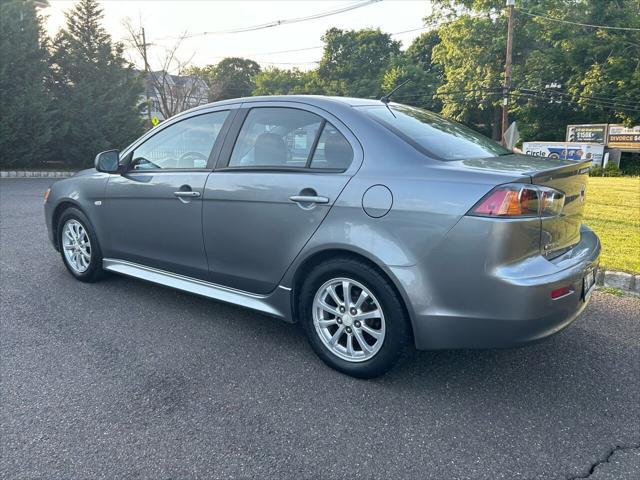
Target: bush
x: 610, y: 170
x: 630, y: 165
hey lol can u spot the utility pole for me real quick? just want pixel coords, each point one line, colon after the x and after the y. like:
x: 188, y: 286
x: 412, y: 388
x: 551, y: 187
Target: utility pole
x: 506, y: 87
x: 147, y: 73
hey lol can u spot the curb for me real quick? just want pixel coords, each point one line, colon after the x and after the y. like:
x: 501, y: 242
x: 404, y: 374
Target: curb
x: 35, y: 174
x: 619, y: 280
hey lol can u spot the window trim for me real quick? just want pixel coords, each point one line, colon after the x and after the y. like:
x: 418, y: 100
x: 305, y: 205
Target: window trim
x: 214, y: 154
x: 236, y: 128
x: 314, y: 145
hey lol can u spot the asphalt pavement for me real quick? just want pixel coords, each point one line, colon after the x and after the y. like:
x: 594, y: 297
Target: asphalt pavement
x: 125, y: 379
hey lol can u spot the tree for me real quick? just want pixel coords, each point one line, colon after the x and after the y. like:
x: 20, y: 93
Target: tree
x: 596, y: 71
x: 416, y: 65
x: 168, y: 93
x: 471, y: 54
x: 354, y: 61
x: 231, y: 78
x: 277, y: 81
x: 96, y: 92
x: 24, y: 102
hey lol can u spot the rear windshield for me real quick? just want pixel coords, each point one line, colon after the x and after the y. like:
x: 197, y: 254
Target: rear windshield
x: 433, y: 135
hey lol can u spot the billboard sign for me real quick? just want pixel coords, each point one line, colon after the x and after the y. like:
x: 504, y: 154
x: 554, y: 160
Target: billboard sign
x: 596, y: 133
x: 624, y: 138
x: 566, y: 151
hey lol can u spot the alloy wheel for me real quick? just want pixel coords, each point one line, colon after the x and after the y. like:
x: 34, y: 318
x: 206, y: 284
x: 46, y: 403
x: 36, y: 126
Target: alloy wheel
x: 76, y: 246
x: 348, y: 319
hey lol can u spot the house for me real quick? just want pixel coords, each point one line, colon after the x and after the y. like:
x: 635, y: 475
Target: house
x: 171, y: 94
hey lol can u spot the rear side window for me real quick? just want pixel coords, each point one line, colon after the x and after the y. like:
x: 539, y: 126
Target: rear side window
x: 290, y: 138
x: 333, y: 150
x: 434, y: 135
x: 276, y: 137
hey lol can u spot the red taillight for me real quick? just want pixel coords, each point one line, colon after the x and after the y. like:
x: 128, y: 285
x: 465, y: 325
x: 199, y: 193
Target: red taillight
x: 560, y: 292
x: 46, y: 195
x: 520, y: 200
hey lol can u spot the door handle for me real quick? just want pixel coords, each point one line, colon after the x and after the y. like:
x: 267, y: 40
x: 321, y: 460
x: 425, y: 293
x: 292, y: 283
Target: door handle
x: 186, y: 193
x: 308, y: 199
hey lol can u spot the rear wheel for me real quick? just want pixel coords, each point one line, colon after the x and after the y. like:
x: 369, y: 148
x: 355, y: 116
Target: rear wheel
x: 353, y: 318
x: 79, y: 246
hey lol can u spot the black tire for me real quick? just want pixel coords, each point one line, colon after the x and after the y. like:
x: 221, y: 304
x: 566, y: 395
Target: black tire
x: 397, y: 339
x: 94, y: 272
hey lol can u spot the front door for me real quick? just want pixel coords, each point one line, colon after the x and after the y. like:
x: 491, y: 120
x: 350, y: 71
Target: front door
x: 155, y: 209
x: 278, y: 182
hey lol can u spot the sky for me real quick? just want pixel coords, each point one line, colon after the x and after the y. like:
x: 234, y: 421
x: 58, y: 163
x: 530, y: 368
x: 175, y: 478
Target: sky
x: 166, y: 20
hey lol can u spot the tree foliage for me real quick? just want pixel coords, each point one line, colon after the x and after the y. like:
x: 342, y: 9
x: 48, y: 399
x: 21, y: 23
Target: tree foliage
x: 231, y: 78
x: 96, y: 92
x: 416, y: 65
x: 24, y: 103
x: 562, y: 73
x: 354, y: 61
x: 595, y: 71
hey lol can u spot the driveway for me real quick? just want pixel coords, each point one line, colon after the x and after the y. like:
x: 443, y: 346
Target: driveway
x: 125, y: 379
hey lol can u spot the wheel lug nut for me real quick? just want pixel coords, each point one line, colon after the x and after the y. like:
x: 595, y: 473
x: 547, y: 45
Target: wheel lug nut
x: 357, y: 324
x: 353, y: 311
x: 339, y: 320
x: 341, y: 309
x: 348, y: 329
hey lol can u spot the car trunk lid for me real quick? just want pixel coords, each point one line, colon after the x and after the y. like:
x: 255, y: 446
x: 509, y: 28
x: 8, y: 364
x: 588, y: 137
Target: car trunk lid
x: 560, y: 233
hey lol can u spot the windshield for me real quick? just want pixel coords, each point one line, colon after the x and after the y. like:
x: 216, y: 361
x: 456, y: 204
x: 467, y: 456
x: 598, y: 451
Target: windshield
x: 433, y: 135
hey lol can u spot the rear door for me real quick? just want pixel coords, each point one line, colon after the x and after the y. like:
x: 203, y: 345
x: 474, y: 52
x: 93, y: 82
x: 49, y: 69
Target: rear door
x: 154, y: 210
x: 275, y: 182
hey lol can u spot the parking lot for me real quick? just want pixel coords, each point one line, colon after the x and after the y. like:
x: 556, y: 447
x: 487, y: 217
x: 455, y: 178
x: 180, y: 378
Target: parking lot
x: 125, y: 379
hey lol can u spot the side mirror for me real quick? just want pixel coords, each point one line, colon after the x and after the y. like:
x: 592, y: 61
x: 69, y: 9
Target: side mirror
x: 107, y: 162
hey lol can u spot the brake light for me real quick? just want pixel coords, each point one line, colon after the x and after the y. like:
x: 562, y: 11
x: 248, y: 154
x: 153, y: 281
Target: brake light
x: 520, y: 200
x: 46, y: 195
x: 560, y: 292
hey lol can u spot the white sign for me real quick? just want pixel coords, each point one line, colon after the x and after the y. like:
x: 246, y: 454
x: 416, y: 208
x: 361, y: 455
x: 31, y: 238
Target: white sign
x: 566, y: 151
x: 624, y: 138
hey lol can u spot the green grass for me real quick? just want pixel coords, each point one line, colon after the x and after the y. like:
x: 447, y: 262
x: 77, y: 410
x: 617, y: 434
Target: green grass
x: 612, y: 210
x: 611, y: 291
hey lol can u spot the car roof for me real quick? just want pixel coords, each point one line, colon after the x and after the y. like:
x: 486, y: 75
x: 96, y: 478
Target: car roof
x: 316, y: 100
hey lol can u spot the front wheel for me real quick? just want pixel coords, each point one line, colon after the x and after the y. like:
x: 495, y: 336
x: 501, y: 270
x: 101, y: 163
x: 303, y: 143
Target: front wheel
x: 79, y: 246
x: 353, y: 318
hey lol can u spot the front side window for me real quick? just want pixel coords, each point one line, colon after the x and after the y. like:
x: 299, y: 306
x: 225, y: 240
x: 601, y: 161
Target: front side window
x: 433, y: 135
x: 185, y: 145
x: 276, y: 137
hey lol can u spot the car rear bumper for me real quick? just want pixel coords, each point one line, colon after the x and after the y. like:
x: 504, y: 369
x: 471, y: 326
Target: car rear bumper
x: 499, y: 307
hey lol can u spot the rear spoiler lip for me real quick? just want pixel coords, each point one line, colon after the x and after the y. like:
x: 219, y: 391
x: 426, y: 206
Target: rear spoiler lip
x: 559, y: 172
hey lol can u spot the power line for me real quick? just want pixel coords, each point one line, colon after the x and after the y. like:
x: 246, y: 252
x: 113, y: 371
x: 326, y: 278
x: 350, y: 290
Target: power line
x: 606, y: 100
x: 304, y: 49
x: 574, y: 102
x: 311, y: 62
x: 484, y: 91
x: 534, y: 95
x: 607, y: 27
x: 277, y: 23
x: 547, y: 97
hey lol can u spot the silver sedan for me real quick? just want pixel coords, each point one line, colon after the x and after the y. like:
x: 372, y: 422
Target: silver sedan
x: 377, y: 226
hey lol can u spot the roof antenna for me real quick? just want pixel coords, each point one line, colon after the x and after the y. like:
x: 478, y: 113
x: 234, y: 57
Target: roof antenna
x: 387, y: 98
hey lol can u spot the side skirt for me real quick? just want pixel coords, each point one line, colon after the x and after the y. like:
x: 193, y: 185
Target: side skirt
x: 277, y: 303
